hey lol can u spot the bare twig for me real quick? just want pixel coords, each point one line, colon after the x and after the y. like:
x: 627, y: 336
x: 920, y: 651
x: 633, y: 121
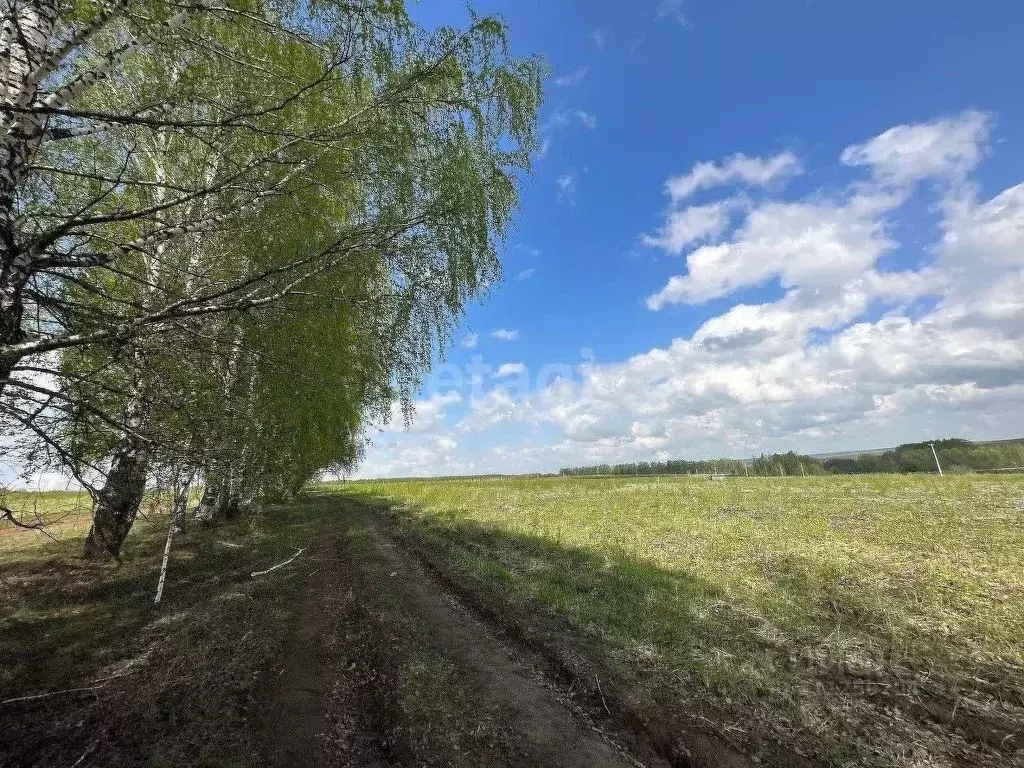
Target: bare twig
x: 279, y: 565
x: 49, y: 693
x: 97, y: 684
x: 88, y: 751
x: 598, y: 681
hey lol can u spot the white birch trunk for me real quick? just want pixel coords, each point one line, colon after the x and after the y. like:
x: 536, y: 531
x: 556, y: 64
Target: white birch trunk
x: 179, y: 499
x: 163, y: 565
x: 26, y: 39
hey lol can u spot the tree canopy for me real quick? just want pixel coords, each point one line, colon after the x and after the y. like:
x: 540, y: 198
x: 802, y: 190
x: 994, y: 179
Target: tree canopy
x: 232, y: 232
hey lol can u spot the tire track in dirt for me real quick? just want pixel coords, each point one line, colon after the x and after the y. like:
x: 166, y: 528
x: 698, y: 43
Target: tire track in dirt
x: 539, y: 729
x: 548, y: 731
x: 291, y: 719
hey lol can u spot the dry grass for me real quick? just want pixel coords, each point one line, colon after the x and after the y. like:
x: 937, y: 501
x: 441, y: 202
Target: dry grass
x: 867, y: 620
x: 167, y: 686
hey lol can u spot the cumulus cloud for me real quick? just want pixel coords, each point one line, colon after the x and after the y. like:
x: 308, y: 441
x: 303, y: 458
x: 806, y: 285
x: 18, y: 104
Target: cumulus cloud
x: 509, y: 369
x: 495, y: 408
x: 749, y: 171
x: 426, y: 414
x: 820, y: 244
x: 597, y: 37
x: 470, y: 340
x: 505, y: 334
x: 526, y: 274
x: 416, y: 456
x: 950, y: 146
x: 690, y: 225
x: 445, y: 443
x: 12, y: 477
x: 808, y: 244
x: 847, y: 354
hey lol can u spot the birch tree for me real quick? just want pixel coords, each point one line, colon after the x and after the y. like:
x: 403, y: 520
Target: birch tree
x: 141, y: 213
x: 342, y: 74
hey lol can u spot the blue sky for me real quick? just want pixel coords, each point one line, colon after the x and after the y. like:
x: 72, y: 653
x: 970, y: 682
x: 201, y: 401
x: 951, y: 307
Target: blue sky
x: 753, y: 226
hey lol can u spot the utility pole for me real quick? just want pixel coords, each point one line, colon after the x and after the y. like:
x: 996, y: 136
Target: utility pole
x: 937, y: 465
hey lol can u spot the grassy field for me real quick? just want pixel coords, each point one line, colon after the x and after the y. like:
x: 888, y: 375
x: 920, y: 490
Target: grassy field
x: 867, y: 620
x: 65, y: 515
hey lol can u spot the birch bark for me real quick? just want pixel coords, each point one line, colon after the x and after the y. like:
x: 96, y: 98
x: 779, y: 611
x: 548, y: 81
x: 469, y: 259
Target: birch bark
x: 26, y: 37
x: 117, y: 503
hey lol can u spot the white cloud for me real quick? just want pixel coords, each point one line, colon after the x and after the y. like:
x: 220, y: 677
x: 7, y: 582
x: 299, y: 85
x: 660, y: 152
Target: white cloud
x: 445, y: 443
x: 951, y: 146
x: 573, y: 78
x: 526, y: 274
x: 686, y: 225
x: 672, y: 9
x: 11, y: 478
x: 509, y: 369
x: 427, y: 414
x: 563, y: 118
x: 850, y: 354
x: 495, y: 408
x: 416, y: 457
x: 597, y: 36
x: 470, y: 340
x: 822, y: 243
x: 689, y: 225
x: 505, y: 334
x: 566, y: 188
x: 751, y: 171
x: 811, y: 244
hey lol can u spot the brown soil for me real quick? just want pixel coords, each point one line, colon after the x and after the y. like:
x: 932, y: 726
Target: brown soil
x: 363, y: 652
x: 356, y: 686
x: 291, y: 717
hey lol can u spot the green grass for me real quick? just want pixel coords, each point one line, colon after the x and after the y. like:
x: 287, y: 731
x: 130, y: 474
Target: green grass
x: 843, y: 615
x: 65, y: 515
x: 178, y: 677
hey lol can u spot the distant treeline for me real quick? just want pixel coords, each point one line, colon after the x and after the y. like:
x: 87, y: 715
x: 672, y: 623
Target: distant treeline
x: 773, y: 464
x: 955, y: 455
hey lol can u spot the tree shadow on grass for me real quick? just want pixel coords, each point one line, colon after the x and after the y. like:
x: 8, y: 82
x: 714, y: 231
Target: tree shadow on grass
x: 605, y: 592
x: 67, y: 622
x: 679, y: 638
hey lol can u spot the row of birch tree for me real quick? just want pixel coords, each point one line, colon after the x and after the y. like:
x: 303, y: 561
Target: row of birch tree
x: 235, y: 232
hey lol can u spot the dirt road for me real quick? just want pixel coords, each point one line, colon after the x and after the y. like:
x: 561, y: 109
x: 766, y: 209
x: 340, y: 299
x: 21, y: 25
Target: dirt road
x: 387, y: 668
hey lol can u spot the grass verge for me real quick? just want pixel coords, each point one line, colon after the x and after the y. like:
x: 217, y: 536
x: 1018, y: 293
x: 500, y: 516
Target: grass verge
x: 118, y: 682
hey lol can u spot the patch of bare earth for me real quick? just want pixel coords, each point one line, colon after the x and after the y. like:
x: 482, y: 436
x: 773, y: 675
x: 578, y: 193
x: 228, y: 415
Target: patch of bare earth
x: 387, y: 668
